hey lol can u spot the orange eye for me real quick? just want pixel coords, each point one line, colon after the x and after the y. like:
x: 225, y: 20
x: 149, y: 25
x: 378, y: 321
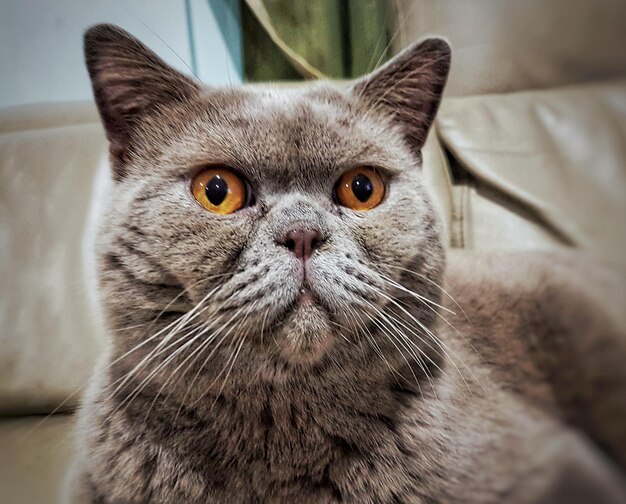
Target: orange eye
x: 360, y: 188
x: 219, y: 190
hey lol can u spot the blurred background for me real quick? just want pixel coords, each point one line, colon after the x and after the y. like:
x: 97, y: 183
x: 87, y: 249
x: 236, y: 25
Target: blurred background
x: 528, y: 152
x: 500, y: 45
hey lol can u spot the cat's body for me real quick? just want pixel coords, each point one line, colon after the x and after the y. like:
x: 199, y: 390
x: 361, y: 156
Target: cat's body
x: 240, y: 373
x: 498, y: 423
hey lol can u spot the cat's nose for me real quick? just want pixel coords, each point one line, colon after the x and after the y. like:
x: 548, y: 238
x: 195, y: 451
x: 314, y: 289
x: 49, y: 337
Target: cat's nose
x: 302, y: 242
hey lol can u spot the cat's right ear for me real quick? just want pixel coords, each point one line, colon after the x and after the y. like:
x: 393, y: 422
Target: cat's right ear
x: 129, y: 81
x: 409, y: 88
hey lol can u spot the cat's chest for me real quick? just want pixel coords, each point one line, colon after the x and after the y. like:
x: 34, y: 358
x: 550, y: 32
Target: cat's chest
x: 282, y: 450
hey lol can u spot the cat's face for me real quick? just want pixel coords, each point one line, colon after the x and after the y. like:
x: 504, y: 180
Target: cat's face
x: 299, y: 268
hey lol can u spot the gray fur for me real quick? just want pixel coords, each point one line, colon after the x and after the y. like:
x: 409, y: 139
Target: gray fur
x: 366, y: 395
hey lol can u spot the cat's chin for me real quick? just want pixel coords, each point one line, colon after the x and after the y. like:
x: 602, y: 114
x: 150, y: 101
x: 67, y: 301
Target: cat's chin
x: 306, y: 334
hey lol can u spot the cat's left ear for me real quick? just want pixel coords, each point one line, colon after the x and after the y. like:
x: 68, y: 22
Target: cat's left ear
x: 129, y: 83
x: 409, y: 87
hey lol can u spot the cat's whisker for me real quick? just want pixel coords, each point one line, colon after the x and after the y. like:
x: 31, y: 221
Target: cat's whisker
x: 454, y: 328
x: 196, y: 352
x: 438, y: 342
x: 392, y: 339
x: 399, y: 321
x: 350, y: 320
x: 134, y: 393
x: 367, y: 333
x: 263, y: 324
x: 129, y: 328
x: 154, y: 32
x: 209, y: 326
x: 232, y: 364
x: 184, y: 292
x: 355, y: 331
x: 444, y: 348
x: 178, y: 325
x: 385, y: 329
x: 372, y: 339
x: 432, y: 282
x: 156, y: 352
x: 395, y: 322
x: 414, y: 294
x: 393, y: 318
x: 203, y: 365
x: 400, y: 27
x: 106, y: 368
x: 164, y: 344
x: 153, y: 355
x: 228, y: 328
x: 424, y: 301
x: 164, y: 348
x: 344, y: 336
x: 167, y: 383
x: 459, y: 333
x: 414, y: 349
x: 429, y: 333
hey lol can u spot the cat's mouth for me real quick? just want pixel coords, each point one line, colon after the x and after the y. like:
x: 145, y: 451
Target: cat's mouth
x: 306, y: 296
x: 309, y: 298
x: 305, y: 331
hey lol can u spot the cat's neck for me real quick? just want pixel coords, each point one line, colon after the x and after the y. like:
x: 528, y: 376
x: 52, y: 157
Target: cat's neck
x: 323, y: 414
x: 359, y: 387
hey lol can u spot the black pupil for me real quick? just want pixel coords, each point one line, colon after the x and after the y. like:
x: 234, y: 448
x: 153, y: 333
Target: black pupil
x: 362, y: 187
x: 216, y: 190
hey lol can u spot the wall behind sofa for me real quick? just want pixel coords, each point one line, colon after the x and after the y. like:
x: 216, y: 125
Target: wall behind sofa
x: 41, y: 42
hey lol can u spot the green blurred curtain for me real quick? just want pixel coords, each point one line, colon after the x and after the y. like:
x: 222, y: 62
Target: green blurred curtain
x: 307, y: 39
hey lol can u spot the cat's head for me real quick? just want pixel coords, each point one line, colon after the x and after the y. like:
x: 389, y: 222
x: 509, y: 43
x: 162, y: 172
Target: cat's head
x: 283, y: 222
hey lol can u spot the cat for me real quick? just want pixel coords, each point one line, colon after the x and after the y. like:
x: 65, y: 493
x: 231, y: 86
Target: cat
x: 288, y: 325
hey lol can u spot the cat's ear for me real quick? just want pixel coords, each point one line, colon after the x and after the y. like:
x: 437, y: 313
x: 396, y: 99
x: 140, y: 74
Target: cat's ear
x: 129, y: 81
x: 409, y: 87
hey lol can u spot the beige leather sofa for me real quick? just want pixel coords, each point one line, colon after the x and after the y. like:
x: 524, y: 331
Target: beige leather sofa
x: 527, y: 170
x: 520, y: 169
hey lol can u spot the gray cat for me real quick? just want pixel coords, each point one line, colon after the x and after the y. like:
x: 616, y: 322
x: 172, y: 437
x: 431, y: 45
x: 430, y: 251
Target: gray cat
x: 273, y: 275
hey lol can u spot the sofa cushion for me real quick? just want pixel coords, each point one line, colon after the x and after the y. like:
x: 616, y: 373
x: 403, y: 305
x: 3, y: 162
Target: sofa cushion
x: 52, y: 170
x: 35, y: 458
x: 511, y: 45
x: 436, y: 177
x: 540, y: 168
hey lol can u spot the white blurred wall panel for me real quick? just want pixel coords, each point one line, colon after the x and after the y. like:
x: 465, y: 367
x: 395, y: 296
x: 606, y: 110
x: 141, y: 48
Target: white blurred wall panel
x: 41, y: 43
x: 217, y: 45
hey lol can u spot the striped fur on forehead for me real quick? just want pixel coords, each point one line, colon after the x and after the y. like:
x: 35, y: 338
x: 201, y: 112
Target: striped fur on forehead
x: 154, y: 115
x: 292, y: 137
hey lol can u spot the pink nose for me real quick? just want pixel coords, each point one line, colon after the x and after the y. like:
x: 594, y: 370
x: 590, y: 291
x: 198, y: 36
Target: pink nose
x: 302, y: 242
